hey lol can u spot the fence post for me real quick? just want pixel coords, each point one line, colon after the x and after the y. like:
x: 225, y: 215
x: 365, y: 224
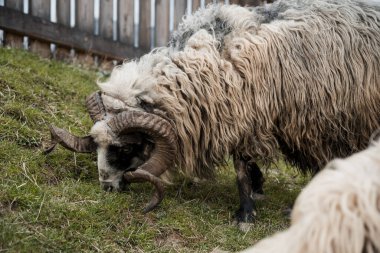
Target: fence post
x: 40, y: 8
x: 196, y: 5
x: 125, y: 20
x: 63, y: 17
x: 162, y: 25
x: 144, y: 34
x: 10, y: 39
x: 179, y: 11
x: 84, y: 12
x: 105, y: 19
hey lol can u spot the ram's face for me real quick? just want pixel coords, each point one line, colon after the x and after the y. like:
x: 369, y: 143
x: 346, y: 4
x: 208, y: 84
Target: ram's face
x: 114, y: 161
x: 123, y: 154
x: 132, y: 145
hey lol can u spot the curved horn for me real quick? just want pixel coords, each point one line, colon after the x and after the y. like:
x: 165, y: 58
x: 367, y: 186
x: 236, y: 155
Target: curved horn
x: 74, y: 143
x: 142, y: 175
x: 154, y: 126
x: 95, y: 106
x: 164, y: 138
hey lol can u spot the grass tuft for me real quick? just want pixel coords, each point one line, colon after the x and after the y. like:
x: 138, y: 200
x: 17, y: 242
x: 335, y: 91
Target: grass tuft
x: 54, y: 203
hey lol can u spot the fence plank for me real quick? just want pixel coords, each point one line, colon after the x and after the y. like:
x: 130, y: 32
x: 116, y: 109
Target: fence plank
x: 55, y: 33
x: 63, y: 12
x: 14, y: 40
x: 179, y: 12
x: 105, y: 30
x: 207, y: 2
x: 40, y: 8
x: 63, y: 17
x: 125, y: 17
x: 106, y: 19
x: 85, y: 15
x: 196, y: 5
x: 162, y: 24
x: 84, y: 12
x: 14, y: 4
x: 144, y: 24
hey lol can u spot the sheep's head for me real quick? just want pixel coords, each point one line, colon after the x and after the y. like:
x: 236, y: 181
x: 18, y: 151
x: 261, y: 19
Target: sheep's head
x: 132, y: 146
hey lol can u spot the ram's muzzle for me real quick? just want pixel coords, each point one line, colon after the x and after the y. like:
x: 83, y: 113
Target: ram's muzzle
x: 127, y: 123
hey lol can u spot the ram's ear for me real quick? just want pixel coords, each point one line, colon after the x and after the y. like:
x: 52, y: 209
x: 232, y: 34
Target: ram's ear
x: 74, y: 143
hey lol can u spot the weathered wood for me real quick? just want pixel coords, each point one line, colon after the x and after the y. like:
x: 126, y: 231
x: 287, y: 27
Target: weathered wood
x: 84, y: 12
x: 179, y: 12
x: 144, y: 24
x: 14, y: 4
x: 209, y: 2
x: 106, y: 19
x: 125, y: 17
x: 40, y: 8
x: 162, y: 24
x: 63, y: 17
x: 44, y: 30
x: 84, y: 59
x: 14, y: 40
x: 196, y: 5
x: 63, y: 12
x: 85, y: 15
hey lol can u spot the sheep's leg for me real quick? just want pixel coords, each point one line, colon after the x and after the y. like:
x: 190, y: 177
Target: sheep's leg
x: 249, y: 180
x: 256, y: 178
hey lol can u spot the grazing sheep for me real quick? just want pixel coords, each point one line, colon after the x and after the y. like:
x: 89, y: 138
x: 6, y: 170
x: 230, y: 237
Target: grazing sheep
x: 301, y: 78
x: 337, y: 212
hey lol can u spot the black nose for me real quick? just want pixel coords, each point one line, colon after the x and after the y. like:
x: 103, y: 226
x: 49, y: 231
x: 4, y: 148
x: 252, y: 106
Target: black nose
x: 107, y: 187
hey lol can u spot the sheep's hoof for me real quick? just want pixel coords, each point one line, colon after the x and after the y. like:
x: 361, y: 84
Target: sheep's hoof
x: 244, y: 219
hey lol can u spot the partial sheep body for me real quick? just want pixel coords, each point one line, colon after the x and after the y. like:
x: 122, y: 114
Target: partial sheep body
x: 337, y: 212
x: 299, y: 76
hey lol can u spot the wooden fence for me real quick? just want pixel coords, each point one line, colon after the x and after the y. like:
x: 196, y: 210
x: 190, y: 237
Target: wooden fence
x: 107, y: 29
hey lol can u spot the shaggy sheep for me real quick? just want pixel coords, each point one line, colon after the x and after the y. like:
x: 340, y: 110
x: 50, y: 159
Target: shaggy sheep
x: 338, y: 212
x: 301, y: 78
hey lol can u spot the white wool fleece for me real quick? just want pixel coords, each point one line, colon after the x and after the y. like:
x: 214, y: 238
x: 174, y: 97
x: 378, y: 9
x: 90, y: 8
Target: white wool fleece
x: 338, y: 212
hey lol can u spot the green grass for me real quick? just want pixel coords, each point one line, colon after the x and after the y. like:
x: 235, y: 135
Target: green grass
x: 54, y: 203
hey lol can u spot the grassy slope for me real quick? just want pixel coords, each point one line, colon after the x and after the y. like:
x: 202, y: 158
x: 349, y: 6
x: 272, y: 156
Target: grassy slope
x: 54, y: 203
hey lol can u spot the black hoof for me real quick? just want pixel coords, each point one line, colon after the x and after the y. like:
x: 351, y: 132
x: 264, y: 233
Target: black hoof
x: 245, y: 216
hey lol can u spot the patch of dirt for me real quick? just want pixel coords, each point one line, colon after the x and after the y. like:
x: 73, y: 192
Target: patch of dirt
x: 170, y: 240
x: 49, y: 176
x: 8, y: 206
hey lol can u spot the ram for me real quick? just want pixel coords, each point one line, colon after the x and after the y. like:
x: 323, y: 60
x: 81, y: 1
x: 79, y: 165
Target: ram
x: 338, y: 211
x: 292, y: 79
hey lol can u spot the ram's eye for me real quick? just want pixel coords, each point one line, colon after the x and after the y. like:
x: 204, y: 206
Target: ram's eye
x: 126, y: 150
x: 146, y: 106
